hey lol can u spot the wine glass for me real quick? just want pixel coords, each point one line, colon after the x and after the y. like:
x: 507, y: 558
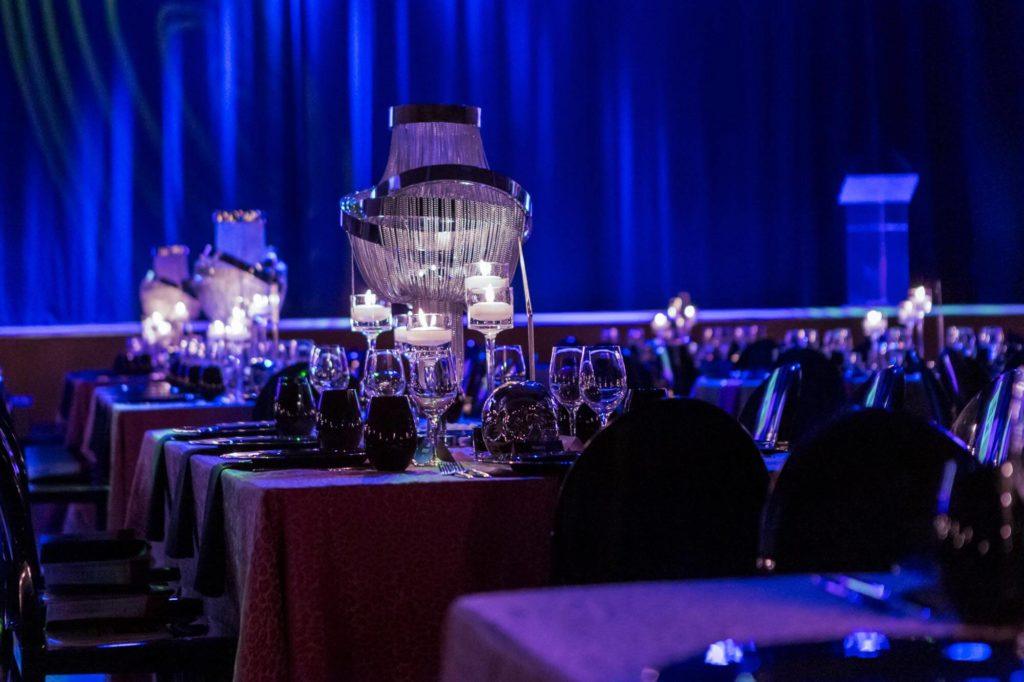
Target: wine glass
x: 509, y: 364
x: 370, y: 316
x: 385, y: 373
x: 603, y: 379
x: 489, y: 311
x: 328, y: 367
x: 564, y: 379
x: 433, y: 385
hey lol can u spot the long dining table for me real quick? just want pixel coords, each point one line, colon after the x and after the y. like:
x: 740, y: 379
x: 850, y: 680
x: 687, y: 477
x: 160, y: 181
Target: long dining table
x: 118, y: 420
x: 337, y: 572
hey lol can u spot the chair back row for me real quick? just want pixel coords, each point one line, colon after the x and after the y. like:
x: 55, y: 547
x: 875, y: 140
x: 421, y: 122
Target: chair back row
x: 20, y: 574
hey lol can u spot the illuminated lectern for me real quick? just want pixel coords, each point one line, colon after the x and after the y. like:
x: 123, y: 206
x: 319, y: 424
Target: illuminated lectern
x: 877, y: 246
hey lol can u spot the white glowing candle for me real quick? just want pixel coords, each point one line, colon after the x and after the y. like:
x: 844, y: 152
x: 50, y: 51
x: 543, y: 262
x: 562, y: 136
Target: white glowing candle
x: 180, y: 311
x: 370, y: 311
x: 660, y: 325
x: 490, y: 310
x: 485, y: 279
x: 427, y: 335
x: 875, y: 323
x: 216, y: 331
x: 401, y: 335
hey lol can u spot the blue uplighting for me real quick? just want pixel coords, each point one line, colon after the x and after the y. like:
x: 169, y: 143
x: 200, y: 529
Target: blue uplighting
x: 973, y: 652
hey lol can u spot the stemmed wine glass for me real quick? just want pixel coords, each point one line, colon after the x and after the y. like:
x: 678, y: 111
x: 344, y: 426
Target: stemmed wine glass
x: 509, y: 364
x: 370, y: 316
x: 385, y: 373
x: 433, y: 385
x: 328, y: 367
x: 603, y: 379
x: 564, y: 379
x: 489, y: 312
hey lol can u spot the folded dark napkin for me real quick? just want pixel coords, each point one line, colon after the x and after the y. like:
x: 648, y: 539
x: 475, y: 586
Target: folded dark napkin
x: 182, y: 532
x: 211, y: 564
x: 159, y: 490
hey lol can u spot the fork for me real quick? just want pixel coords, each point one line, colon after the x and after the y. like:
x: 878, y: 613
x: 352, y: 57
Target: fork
x: 449, y: 466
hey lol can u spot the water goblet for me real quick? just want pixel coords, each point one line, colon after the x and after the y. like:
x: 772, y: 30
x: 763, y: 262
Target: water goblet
x: 370, y: 316
x: 603, y: 379
x: 564, y: 379
x: 509, y: 364
x: 328, y: 367
x: 433, y: 386
x: 385, y: 373
x: 489, y: 312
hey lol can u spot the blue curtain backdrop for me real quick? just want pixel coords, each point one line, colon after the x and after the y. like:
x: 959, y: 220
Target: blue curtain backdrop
x: 669, y: 145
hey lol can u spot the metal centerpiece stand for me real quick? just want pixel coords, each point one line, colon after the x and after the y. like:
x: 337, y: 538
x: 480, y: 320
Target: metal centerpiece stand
x: 437, y: 209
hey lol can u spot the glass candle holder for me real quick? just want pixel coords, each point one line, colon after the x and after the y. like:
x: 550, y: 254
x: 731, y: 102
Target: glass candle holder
x: 429, y: 332
x: 489, y: 312
x: 401, y: 330
x: 483, y: 274
x: 370, y: 316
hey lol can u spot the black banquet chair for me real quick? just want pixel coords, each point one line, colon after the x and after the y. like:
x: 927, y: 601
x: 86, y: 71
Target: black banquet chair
x: 675, y: 490
x: 858, y: 495
x: 817, y: 395
x: 35, y: 651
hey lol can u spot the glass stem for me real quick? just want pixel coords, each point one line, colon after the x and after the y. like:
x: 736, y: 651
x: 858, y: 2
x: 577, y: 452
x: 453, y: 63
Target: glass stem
x: 572, y: 420
x: 489, y: 345
x: 604, y: 419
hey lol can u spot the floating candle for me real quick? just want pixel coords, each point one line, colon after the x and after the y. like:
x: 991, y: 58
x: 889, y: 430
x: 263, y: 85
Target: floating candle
x: 370, y: 311
x: 483, y: 278
x: 425, y: 330
x: 401, y: 335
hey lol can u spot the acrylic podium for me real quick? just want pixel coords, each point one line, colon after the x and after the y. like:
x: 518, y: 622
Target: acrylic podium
x: 877, y: 244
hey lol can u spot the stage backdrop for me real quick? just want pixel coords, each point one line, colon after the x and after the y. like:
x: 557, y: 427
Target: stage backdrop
x: 669, y: 145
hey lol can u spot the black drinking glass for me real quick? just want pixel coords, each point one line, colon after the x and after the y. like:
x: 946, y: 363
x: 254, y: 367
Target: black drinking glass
x: 390, y: 435
x: 195, y: 373
x: 294, y: 406
x: 211, y: 382
x: 339, y: 423
x: 638, y: 398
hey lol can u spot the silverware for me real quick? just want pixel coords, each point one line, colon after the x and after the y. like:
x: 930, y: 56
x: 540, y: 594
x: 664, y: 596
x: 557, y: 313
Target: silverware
x: 872, y: 594
x: 449, y: 466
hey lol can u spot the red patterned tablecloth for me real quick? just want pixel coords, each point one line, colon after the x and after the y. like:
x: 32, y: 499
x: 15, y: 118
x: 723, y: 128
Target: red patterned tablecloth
x: 346, y: 574
x: 123, y: 427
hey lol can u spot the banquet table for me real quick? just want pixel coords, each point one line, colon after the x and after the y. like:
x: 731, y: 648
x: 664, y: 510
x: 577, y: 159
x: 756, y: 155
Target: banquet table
x: 115, y: 430
x: 76, y: 401
x: 630, y: 631
x: 347, y: 573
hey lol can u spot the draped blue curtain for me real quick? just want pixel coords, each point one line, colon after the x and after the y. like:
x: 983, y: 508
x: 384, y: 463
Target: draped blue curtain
x: 672, y: 145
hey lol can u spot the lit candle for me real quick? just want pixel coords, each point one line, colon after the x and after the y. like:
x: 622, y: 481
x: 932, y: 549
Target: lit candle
x: 370, y: 311
x: 180, y: 311
x: 661, y: 326
x: 875, y: 323
x: 485, y: 279
x: 426, y: 334
x: 905, y: 313
x: 490, y: 310
x: 401, y: 335
x: 216, y: 331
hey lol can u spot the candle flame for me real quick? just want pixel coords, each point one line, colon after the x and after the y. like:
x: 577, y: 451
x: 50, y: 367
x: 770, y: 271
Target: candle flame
x: 485, y: 268
x: 422, y: 316
x: 689, y: 312
x: 489, y: 293
x: 371, y: 298
x: 180, y: 311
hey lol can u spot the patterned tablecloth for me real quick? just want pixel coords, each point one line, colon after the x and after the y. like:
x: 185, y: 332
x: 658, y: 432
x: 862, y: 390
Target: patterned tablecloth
x: 347, y: 573
x: 629, y: 632
x: 115, y: 430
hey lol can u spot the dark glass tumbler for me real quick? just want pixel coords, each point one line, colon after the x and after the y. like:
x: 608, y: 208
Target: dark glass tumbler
x: 211, y: 382
x: 294, y: 406
x: 339, y: 423
x: 390, y: 435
